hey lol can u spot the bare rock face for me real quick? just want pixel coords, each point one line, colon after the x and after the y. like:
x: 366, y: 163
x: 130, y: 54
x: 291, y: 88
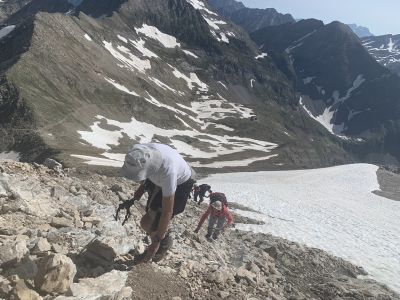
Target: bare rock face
x: 12, y: 252
x: 55, y: 275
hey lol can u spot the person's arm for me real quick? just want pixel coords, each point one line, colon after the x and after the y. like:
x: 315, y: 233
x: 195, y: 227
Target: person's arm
x: 140, y: 191
x: 202, y: 219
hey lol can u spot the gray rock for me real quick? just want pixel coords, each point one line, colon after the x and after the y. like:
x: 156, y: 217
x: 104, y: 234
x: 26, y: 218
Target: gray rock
x: 220, y: 276
x: 243, y: 273
x: 109, y: 286
x: 223, y: 294
x: 42, y: 246
x: 61, y: 222
x: 103, y: 252
x: 12, y: 252
x: 53, y: 165
x: 55, y: 275
x: 58, y: 248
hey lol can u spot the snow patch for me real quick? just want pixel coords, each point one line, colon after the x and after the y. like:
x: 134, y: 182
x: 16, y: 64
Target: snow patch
x: 88, y: 37
x: 127, y: 59
x: 199, y: 5
x: 165, y: 86
x: 390, y: 45
x: 326, y: 119
x: 121, y: 87
x: 125, y: 40
x: 224, y: 38
x: 357, y: 226
x: 235, y: 163
x: 252, y: 82
x: 152, y: 32
x: 6, y: 31
x: 98, y: 161
x: 262, y: 55
x: 190, y: 53
x: 308, y: 80
x: 144, y: 132
x: 139, y: 45
x: 220, y: 82
x: 190, y: 80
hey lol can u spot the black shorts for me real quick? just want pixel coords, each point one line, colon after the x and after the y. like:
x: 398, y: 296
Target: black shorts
x: 182, y: 194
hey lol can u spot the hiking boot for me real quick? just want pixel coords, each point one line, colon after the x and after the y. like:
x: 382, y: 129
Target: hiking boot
x: 165, y: 245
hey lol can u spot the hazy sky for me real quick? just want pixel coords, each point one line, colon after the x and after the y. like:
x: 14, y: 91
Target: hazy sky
x: 380, y: 16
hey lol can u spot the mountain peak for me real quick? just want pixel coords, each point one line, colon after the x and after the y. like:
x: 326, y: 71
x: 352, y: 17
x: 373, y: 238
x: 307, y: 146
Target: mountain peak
x: 360, y: 30
x: 251, y: 19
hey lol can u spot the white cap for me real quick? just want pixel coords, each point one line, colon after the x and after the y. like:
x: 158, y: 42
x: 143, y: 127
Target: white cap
x: 217, y: 205
x: 141, y: 162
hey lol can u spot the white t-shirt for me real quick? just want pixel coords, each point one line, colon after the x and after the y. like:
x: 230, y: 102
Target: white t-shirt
x: 173, y: 172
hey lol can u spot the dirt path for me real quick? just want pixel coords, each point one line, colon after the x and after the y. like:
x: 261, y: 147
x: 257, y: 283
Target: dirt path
x: 149, y: 283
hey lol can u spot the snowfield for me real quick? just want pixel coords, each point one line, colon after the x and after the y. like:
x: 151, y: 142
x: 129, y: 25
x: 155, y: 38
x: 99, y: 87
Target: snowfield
x: 6, y: 31
x: 333, y: 209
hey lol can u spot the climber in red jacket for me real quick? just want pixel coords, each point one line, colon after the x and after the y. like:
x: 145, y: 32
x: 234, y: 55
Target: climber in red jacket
x: 219, y: 216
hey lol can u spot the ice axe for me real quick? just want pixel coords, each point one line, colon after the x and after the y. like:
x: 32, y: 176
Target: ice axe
x: 127, y: 206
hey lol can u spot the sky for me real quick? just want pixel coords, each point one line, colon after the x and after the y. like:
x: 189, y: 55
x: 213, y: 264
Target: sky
x: 380, y: 16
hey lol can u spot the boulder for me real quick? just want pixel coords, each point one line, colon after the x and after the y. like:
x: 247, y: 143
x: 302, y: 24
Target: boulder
x: 22, y: 292
x: 243, y: 273
x: 109, y: 286
x: 61, y: 222
x: 221, y: 276
x: 55, y: 275
x: 42, y: 246
x: 103, y: 252
x: 53, y: 165
x: 12, y: 252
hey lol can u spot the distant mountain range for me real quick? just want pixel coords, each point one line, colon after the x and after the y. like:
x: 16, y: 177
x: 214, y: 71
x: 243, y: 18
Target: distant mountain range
x: 251, y: 19
x: 83, y: 80
x: 385, y: 49
x: 342, y: 86
x: 360, y: 30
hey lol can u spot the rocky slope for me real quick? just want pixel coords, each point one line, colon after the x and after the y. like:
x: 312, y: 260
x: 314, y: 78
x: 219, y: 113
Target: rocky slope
x: 59, y: 241
x: 251, y: 19
x: 9, y: 7
x: 82, y: 80
x: 340, y: 83
x: 385, y: 49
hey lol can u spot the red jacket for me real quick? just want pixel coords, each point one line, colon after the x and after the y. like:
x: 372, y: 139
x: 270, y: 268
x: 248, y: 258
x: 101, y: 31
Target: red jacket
x: 218, y: 213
